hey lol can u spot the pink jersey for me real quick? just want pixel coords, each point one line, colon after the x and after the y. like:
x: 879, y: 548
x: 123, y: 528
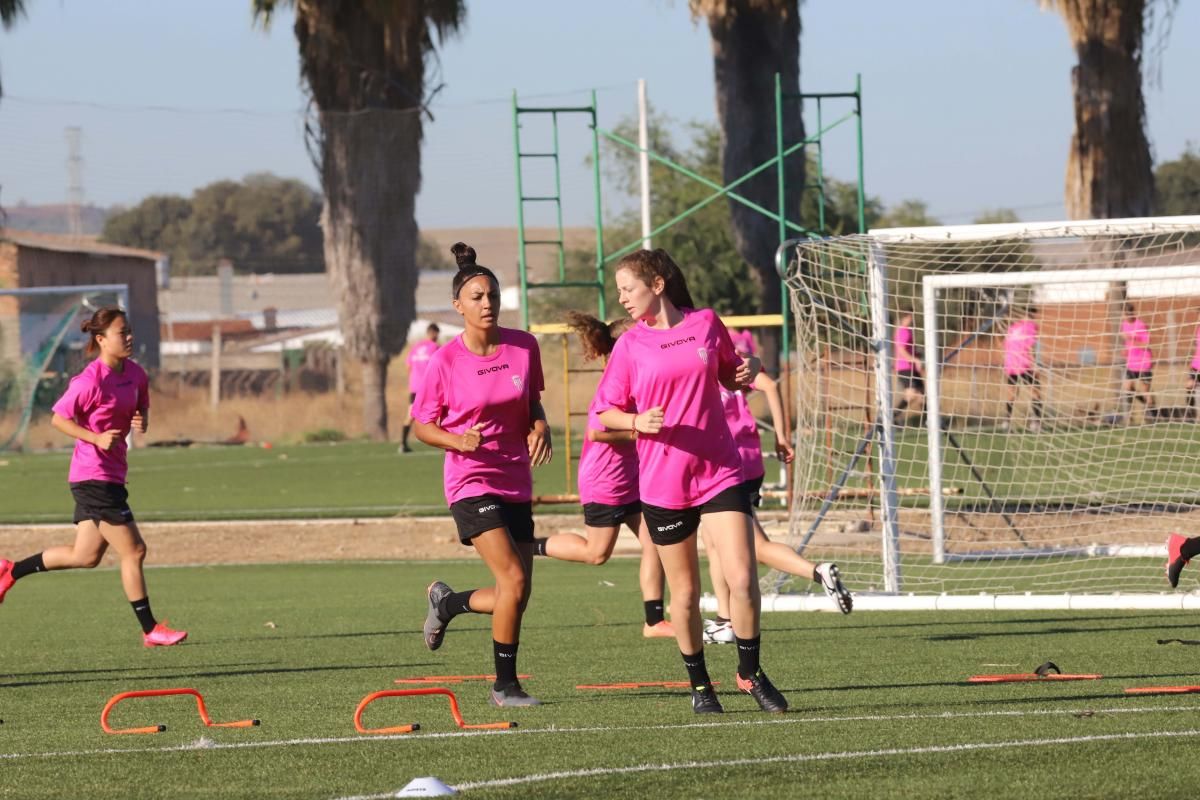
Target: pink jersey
x: 102, y: 399
x: 745, y: 433
x: 461, y: 390
x: 608, y: 471
x: 1196, y: 355
x: 1019, y: 342
x: 418, y: 362
x: 743, y: 341
x: 1138, y: 357
x: 903, y: 347
x: 694, y: 457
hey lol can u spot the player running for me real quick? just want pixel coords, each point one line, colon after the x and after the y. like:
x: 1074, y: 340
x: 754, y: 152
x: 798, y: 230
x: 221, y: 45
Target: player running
x: 1139, y: 364
x: 418, y: 362
x: 1020, y: 343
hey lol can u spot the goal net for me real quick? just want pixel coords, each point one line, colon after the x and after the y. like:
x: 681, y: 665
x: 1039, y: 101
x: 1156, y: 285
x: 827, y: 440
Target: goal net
x: 41, y: 346
x: 997, y: 415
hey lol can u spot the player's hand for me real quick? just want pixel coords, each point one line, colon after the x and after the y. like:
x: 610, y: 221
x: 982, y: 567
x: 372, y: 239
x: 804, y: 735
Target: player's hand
x: 648, y: 421
x: 540, y: 448
x: 471, y: 438
x: 748, y: 371
x: 783, y: 450
x: 105, y: 440
x: 138, y: 423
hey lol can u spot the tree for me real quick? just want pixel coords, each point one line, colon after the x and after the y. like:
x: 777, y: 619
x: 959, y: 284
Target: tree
x: 752, y: 40
x: 1177, y: 184
x: 10, y: 12
x: 908, y: 214
x: 1108, y: 167
x: 996, y: 215
x: 364, y: 64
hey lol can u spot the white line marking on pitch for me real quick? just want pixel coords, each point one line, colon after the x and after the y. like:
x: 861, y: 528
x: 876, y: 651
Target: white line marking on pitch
x: 790, y: 719
x: 797, y: 759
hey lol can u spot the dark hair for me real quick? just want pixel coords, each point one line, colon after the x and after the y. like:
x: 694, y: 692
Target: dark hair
x: 598, y: 336
x: 1129, y: 309
x: 100, y: 321
x: 464, y: 256
x: 648, y: 264
x: 1033, y: 309
x: 433, y: 328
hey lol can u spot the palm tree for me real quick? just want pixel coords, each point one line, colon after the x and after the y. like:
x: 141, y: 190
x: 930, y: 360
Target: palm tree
x: 10, y: 12
x: 1109, y: 170
x: 751, y: 41
x: 364, y: 65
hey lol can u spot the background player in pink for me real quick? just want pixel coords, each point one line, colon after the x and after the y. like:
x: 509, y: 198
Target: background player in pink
x: 1139, y: 364
x: 608, y: 490
x: 1020, y: 341
x: 101, y: 405
x: 908, y: 367
x: 1193, y: 377
x: 481, y: 403
x: 418, y: 361
x: 776, y: 555
x: 663, y: 380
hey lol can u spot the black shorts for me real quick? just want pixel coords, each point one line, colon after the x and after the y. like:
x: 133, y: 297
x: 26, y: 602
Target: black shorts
x: 1145, y: 376
x: 474, y: 515
x: 911, y: 379
x: 753, y: 488
x: 101, y: 501
x: 672, y: 526
x: 412, y: 398
x: 602, y: 515
x: 1194, y: 375
x: 1025, y: 377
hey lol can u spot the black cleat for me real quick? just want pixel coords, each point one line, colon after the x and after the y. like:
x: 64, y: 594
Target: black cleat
x: 435, y: 625
x: 762, y: 690
x: 704, y: 700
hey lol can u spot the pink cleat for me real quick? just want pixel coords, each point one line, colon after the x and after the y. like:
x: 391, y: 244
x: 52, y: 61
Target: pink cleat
x: 6, y: 578
x: 659, y: 630
x: 1175, y: 561
x: 162, y: 636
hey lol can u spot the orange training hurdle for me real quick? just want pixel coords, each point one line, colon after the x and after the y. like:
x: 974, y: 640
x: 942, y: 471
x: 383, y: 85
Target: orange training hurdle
x: 241, y: 723
x: 416, y: 726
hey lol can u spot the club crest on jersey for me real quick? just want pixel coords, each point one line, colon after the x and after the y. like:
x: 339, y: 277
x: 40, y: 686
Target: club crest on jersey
x: 703, y: 353
x: 517, y: 382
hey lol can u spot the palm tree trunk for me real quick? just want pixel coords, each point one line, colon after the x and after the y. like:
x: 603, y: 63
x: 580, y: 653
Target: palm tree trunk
x: 751, y: 41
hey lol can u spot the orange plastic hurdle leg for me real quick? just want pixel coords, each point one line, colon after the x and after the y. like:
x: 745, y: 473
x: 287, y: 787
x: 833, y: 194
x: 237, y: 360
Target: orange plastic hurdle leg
x: 454, y: 712
x: 241, y: 723
x: 428, y: 679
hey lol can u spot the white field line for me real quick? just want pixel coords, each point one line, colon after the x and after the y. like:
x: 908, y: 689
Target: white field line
x: 790, y: 719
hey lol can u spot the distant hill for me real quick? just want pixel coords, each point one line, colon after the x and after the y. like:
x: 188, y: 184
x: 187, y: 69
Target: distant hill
x: 53, y: 218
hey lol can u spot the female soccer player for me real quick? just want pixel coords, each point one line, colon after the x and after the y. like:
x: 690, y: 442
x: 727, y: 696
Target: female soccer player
x: 481, y: 403
x: 418, y: 361
x: 908, y: 367
x: 1020, y: 340
x: 608, y: 490
x: 776, y: 555
x: 663, y: 381
x: 101, y: 405
x: 1139, y: 364
x: 1193, y: 377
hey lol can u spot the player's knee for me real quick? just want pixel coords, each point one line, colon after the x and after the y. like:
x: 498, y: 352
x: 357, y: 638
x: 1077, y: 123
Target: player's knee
x: 597, y: 557
x: 88, y: 560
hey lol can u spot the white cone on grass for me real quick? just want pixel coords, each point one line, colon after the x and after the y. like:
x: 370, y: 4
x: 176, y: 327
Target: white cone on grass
x: 425, y: 787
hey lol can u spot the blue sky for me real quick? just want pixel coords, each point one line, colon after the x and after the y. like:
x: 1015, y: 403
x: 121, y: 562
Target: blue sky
x: 967, y: 103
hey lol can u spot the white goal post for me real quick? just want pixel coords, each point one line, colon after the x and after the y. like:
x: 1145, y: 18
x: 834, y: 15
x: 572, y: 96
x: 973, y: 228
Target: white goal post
x: 1025, y: 459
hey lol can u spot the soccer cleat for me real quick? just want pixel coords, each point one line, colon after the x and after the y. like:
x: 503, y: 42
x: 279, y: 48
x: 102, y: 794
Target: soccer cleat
x: 659, y: 630
x: 6, y: 578
x: 162, y: 636
x: 435, y: 626
x: 704, y: 700
x: 1175, y: 561
x: 718, y: 632
x: 830, y: 578
x: 512, y: 696
x: 762, y: 690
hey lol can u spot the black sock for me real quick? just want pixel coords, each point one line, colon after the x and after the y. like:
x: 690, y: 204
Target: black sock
x: 456, y: 603
x: 1008, y: 410
x: 404, y: 436
x: 144, y: 615
x: 505, y: 656
x: 697, y: 671
x: 28, y: 566
x: 1037, y: 409
x: 748, y: 656
x: 1190, y: 548
x: 1191, y: 399
x: 653, y: 610
x: 539, y: 546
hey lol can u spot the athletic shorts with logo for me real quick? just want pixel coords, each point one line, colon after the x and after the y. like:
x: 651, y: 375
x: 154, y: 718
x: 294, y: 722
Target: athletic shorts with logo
x: 672, y: 526
x: 101, y: 501
x: 474, y: 515
x: 603, y: 515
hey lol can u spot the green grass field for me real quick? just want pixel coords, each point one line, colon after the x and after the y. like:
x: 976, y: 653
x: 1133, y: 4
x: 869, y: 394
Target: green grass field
x: 879, y: 704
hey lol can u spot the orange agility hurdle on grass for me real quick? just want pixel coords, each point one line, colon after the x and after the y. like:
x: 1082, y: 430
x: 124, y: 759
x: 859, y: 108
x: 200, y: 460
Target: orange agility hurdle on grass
x: 450, y: 679
x: 1163, y: 690
x: 416, y: 726
x: 640, y: 685
x: 241, y: 723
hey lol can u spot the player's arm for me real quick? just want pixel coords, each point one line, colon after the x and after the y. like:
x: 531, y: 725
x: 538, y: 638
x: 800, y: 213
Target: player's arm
x: 783, y: 437
x: 434, y: 435
x: 540, y: 448
x: 141, y: 420
x: 611, y: 437
x: 649, y: 421
x: 70, y: 427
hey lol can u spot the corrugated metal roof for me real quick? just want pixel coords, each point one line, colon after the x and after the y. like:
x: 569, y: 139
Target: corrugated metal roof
x: 74, y: 244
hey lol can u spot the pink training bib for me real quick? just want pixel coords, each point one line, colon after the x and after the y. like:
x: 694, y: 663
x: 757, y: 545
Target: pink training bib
x: 418, y: 362
x: 745, y: 433
x: 1019, y: 343
x: 608, y: 472
x: 100, y: 399
x: 1136, y: 335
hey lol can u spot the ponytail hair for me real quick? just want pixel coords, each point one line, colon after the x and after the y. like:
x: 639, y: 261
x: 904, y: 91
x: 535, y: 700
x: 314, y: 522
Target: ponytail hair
x: 598, y: 337
x: 464, y: 256
x: 649, y: 264
x: 99, y: 322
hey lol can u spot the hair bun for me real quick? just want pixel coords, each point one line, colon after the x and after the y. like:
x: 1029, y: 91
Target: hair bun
x: 464, y: 254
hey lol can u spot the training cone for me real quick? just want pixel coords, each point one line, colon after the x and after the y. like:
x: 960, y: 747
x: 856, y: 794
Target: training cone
x: 425, y: 787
